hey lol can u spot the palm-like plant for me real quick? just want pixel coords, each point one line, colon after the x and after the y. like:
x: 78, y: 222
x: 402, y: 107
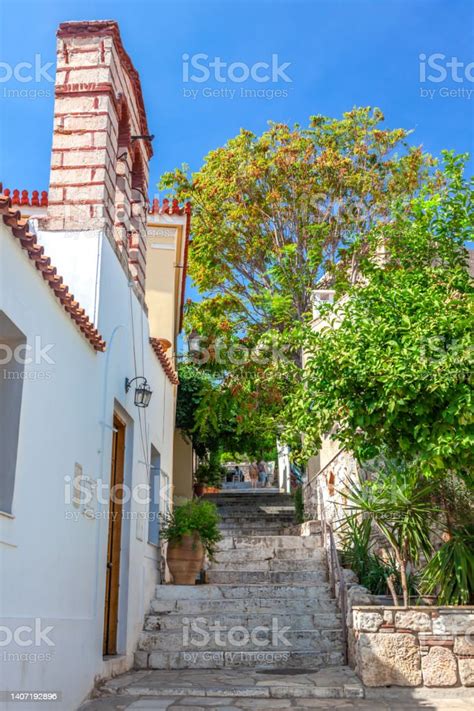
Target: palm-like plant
x: 450, y: 572
x: 398, y: 502
x: 358, y: 555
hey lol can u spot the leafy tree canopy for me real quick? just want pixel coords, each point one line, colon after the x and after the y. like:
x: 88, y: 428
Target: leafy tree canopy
x: 271, y: 213
x: 210, y: 415
x: 392, y: 369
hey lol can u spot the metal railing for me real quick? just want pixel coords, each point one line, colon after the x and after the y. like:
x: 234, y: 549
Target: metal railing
x: 316, y: 477
x: 336, y: 575
x: 337, y: 581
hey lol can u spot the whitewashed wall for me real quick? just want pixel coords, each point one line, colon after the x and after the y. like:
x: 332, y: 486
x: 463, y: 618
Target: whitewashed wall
x: 53, y: 557
x: 284, y: 468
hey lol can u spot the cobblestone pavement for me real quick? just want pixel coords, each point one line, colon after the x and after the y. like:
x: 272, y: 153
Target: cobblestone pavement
x: 229, y: 690
x: 400, y: 702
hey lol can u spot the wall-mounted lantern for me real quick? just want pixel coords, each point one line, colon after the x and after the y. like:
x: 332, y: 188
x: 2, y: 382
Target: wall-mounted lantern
x: 143, y: 392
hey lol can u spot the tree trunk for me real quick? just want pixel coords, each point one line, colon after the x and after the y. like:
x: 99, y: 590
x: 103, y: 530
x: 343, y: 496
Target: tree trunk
x: 391, y: 586
x: 403, y: 580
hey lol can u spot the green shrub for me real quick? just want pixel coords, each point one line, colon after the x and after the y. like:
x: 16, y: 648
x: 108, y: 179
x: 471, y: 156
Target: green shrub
x: 298, y: 501
x: 371, y: 570
x: 398, y: 504
x: 450, y: 572
x: 196, y: 516
x: 210, y: 473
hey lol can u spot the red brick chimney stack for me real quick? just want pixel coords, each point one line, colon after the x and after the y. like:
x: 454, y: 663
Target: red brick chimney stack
x: 99, y: 172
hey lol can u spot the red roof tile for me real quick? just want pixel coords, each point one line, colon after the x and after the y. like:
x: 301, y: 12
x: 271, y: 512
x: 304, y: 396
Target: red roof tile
x: 28, y: 240
x: 165, y: 208
x: 24, y: 198
x: 164, y: 360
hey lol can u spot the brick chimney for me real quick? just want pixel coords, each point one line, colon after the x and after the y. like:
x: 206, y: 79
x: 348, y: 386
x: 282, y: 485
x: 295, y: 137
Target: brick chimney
x: 99, y: 164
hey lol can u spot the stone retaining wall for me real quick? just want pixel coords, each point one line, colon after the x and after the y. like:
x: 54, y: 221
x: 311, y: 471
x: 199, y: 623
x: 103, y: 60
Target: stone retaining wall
x: 414, y: 646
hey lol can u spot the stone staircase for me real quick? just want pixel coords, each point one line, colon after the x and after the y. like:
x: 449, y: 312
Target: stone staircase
x: 267, y: 604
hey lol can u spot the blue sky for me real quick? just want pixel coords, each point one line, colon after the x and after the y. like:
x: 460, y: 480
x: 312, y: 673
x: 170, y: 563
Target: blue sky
x: 341, y: 53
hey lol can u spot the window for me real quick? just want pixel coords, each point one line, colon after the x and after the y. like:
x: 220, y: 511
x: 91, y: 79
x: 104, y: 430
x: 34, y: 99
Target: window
x: 12, y: 367
x: 154, y: 505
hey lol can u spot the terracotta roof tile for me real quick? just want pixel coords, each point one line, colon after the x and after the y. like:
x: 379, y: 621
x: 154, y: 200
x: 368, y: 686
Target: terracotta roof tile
x: 23, y: 198
x: 35, y: 251
x: 165, y: 361
x: 168, y: 207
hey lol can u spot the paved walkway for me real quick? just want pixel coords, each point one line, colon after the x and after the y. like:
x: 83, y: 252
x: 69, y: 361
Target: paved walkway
x: 230, y: 690
x: 403, y: 702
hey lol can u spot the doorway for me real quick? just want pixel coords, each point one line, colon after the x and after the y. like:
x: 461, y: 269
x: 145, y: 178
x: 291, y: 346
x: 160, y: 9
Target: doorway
x: 112, y: 582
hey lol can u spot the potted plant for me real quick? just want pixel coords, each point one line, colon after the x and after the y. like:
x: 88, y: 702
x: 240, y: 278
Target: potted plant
x: 192, y: 530
x: 208, y: 475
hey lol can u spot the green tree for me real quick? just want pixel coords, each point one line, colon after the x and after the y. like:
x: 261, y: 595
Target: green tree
x: 270, y: 214
x: 211, y: 413
x: 392, y: 370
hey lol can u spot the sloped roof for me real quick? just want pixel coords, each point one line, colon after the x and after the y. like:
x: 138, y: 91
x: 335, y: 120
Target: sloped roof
x: 166, y: 363
x: 28, y: 241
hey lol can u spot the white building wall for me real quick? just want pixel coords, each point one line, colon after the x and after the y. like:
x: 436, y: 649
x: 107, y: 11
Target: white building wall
x: 53, y: 555
x: 330, y: 468
x: 284, y: 468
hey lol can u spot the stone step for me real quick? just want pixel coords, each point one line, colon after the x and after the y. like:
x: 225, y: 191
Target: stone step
x: 263, y: 508
x: 272, y: 605
x: 296, y: 620
x: 243, y: 577
x: 259, y: 526
x: 250, y: 509
x: 261, y: 542
x: 259, y: 520
x: 228, y: 684
x: 274, y: 638
x: 287, y: 519
x: 237, y: 660
x: 232, y: 592
x: 252, y: 502
x: 244, y: 495
x: 257, y: 505
x: 296, y: 554
x: 256, y: 531
x: 275, y: 564
x: 269, y: 554
x: 232, y: 533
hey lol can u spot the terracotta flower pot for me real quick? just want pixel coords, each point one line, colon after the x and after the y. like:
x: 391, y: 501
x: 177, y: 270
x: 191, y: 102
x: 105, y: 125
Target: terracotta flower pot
x: 185, y: 559
x: 198, y: 489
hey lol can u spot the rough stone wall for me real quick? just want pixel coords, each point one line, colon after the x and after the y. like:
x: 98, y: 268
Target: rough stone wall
x: 415, y: 646
x: 327, y: 486
x: 99, y: 172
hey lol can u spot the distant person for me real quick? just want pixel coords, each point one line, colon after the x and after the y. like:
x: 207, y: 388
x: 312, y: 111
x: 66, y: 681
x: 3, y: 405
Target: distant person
x: 253, y: 474
x: 262, y: 474
x: 239, y: 473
